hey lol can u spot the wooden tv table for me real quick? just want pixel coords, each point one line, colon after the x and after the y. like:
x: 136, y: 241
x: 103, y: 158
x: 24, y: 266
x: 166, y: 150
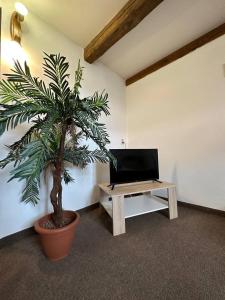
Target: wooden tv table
x: 120, y: 207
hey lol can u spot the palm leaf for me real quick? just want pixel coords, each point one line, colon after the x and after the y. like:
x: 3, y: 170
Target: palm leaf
x: 91, y: 128
x: 67, y: 177
x: 56, y: 67
x: 12, y: 115
x: 81, y: 156
x: 32, y: 86
x: 78, y: 78
x: 96, y: 104
x: 33, y: 160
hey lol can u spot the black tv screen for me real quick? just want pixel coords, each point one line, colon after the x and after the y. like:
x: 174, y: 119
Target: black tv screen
x: 134, y: 165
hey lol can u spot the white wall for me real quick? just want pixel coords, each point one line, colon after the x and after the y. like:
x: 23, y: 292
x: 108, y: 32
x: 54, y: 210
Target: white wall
x: 180, y: 109
x: 37, y: 37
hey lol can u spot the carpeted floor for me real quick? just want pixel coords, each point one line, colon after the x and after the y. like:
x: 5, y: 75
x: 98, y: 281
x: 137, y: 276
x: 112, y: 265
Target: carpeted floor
x: 155, y: 259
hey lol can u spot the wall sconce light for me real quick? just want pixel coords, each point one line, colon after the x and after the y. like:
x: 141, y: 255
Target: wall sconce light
x: 12, y: 50
x: 15, y: 22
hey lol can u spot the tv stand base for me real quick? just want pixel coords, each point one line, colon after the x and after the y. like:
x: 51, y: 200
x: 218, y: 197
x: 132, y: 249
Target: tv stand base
x: 112, y: 186
x: 120, y: 207
x: 157, y: 180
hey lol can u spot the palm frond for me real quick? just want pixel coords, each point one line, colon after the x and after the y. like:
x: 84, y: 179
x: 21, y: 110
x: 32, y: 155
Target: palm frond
x: 17, y: 147
x: 12, y: 92
x: 33, y: 160
x: 91, y: 128
x: 31, y: 135
x: 30, y: 192
x: 12, y: 156
x: 82, y: 156
x: 12, y: 115
x: 33, y: 87
x: 96, y: 104
x: 67, y: 177
x: 56, y: 67
x: 78, y: 78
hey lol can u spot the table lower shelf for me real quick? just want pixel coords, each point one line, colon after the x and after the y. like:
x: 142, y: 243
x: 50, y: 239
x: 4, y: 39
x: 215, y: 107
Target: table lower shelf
x: 138, y: 205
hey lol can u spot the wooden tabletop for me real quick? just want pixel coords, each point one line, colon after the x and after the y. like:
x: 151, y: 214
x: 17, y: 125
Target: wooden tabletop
x: 133, y: 188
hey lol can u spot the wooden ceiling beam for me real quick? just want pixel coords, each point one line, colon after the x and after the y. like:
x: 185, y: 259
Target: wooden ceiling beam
x: 125, y: 20
x: 199, y: 42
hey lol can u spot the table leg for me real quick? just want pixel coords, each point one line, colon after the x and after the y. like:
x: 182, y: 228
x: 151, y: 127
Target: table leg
x: 149, y: 194
x: 172, y: 199
x: 102, y: 197
x: 118, y: 215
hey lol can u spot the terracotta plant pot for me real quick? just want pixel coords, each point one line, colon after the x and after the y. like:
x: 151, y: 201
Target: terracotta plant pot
x: 56, y: 243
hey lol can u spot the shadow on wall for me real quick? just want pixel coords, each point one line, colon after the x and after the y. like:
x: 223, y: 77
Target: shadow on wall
x: 174, y: 175
x: 174, y: 179
x: 102, y: 172
x: 101, y: 175
x: 223, y: 70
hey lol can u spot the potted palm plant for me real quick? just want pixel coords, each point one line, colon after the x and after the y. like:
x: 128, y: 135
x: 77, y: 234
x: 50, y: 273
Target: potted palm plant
x: 60, y: 122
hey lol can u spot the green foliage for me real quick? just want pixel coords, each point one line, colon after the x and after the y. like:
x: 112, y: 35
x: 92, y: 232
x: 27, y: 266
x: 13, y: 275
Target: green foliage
x: 33, y: 159
x: 48, y: 109
x: 78, y: 78
x: 67, y: 177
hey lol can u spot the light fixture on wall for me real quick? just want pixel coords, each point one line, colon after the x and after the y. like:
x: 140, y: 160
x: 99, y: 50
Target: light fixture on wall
x: 12, y: 50
x: 15, y: 22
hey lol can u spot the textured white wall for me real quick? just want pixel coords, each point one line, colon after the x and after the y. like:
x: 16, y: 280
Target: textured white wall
x: 180, y: 110
x: 37, y: 37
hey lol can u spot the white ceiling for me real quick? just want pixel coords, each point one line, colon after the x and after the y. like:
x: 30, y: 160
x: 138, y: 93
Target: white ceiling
x: 170, y: 26
x: 80, y: 20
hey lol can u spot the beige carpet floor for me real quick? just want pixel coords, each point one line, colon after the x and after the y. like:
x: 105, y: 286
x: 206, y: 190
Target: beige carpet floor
x: 156, y: 259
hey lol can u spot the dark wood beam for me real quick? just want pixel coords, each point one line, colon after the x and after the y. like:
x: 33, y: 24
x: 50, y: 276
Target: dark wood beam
x: 199, y: 42
x: 125, y: 20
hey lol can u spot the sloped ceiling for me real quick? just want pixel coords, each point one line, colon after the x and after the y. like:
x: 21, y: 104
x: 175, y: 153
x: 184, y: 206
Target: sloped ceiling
x: 80, y: 20
x: 170, y: 26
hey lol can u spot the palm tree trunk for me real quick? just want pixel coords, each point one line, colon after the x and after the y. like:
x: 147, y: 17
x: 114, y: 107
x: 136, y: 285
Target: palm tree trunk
x: 56, y: 193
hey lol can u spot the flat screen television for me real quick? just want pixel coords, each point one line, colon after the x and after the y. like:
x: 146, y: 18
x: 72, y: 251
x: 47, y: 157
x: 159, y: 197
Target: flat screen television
x: 134, y: 165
